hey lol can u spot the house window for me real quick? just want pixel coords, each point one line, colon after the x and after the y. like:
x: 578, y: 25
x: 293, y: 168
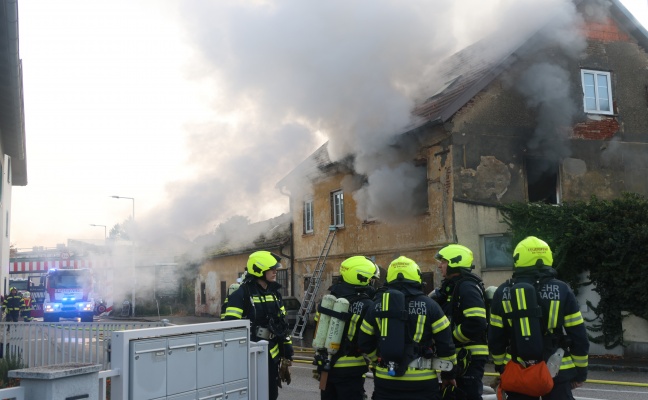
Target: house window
x: 498, y: 252
x: 597, y: 91
x: 427, y: 279
x: 203, y: 293
x: 308, y: 216
x: 542, y: 180
x: 337, y: 208
x: 282, y: 279
x: 223, y: 289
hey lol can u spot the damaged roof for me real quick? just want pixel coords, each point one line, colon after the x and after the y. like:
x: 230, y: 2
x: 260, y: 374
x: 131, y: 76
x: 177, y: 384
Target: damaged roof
x: 462, y: 76
x: 467, y: 72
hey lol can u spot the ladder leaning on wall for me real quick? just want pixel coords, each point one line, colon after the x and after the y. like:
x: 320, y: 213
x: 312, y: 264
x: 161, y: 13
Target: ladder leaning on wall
x: 313, y: 286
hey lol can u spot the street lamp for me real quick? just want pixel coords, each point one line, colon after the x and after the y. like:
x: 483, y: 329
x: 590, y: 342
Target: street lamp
x: 104, y: 226
x: 132, y: 254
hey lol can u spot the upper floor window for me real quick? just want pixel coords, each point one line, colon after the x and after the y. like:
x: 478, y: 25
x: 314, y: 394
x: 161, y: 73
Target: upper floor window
x: 337, y: 208
x: 597, y: 91
x: 308, y: 216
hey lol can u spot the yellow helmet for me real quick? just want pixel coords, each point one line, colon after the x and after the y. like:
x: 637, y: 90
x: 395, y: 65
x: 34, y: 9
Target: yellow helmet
x: 357, y: 270
x: 403, y: 268
x: 458, y: 256
x: 12, y: 288
x: 261, y: 261
x: 532, y: 252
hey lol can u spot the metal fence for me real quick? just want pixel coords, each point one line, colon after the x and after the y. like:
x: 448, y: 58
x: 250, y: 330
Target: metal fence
x: 36, y: 344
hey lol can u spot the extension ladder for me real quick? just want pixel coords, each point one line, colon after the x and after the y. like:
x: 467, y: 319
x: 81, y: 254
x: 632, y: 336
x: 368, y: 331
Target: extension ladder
x: 313, y: 286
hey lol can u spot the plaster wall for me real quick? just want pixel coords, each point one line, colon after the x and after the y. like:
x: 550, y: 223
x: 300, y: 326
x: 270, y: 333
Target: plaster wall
x: 212, y: 272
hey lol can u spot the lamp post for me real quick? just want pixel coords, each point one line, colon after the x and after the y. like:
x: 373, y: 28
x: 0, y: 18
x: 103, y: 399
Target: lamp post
x: 104, y: 226
x: 132, y: 255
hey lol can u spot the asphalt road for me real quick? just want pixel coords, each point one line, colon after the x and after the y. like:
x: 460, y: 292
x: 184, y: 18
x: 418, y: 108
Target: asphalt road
x: 303, y: 386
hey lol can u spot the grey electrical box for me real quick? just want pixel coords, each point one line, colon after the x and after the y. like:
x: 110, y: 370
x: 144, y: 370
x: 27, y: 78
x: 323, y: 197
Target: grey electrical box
x: 210, y: 365
x: 210, y: 357
x: 237, y: 390
x: 211, y: 393
x: 148, y: 365
x: 236, y: 355
x: 181, y: 364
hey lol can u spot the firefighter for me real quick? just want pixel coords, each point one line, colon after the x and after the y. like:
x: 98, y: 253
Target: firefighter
x: 404, y: 320
x: 560, y: 324
x: 26, y: 312
x: 461, y: 296
x: 12, y: 304
x: 258, y: 299
x: 348, y: 367
x: 231, y: 289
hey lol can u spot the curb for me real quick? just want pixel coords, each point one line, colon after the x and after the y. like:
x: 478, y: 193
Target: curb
x: 617, y: 367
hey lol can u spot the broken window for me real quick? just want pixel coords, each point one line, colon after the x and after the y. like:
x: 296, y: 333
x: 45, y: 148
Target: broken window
x: 308, y: 216
x: 597, y: 91
x: 337, y: 208
x: 542, y: 180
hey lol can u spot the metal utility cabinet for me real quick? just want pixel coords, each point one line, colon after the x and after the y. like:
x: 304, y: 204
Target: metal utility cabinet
x: 212, y: 362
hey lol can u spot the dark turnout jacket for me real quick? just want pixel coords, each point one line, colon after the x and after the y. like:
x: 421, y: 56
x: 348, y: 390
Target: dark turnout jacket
x: 561, y: 321
x: 268, y: 309
x: 462, y: 300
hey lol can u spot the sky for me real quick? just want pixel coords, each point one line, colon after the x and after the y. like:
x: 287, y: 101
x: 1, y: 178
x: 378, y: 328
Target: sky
x: 196, y: 109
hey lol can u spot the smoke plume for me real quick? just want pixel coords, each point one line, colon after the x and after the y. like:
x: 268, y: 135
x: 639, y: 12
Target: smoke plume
x: 288, y: 75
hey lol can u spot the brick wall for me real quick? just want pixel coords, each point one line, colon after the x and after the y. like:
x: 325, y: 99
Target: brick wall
x: 596, y: 130
x: 606, y: 31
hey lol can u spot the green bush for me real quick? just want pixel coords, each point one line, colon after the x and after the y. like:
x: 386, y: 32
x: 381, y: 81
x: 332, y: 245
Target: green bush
x: 7, y: 364
x: 606, y: 238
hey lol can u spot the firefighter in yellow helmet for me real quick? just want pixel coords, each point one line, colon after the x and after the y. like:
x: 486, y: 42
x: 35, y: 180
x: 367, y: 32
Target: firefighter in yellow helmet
x: 13, y: 303
x: 348, y: 367
x: 26, y: 312
x: 408, y: 332
x: 259, y: 300
x: 461, y: 296
x: 525, y: 334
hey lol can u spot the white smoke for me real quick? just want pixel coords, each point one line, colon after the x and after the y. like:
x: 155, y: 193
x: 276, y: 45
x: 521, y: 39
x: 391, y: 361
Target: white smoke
x: 288, y: 75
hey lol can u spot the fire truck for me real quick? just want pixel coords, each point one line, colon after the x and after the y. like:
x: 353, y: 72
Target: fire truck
x: 66, y: 294
x: 61, y: 286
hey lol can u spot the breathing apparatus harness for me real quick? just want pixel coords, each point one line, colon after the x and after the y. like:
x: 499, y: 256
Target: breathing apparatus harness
x: 538, y: 276
x: 413, y: 354
x: 347, y: 346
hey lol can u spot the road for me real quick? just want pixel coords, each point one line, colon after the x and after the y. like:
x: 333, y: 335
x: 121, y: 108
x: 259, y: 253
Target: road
x: 303, y: 386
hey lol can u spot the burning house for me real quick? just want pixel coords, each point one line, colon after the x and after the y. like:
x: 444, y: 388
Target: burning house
x: 558, y: 114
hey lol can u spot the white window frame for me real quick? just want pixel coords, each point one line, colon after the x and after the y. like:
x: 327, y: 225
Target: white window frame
x: 597, y: 97
x: 308, y: 216
x: 337, y: 208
